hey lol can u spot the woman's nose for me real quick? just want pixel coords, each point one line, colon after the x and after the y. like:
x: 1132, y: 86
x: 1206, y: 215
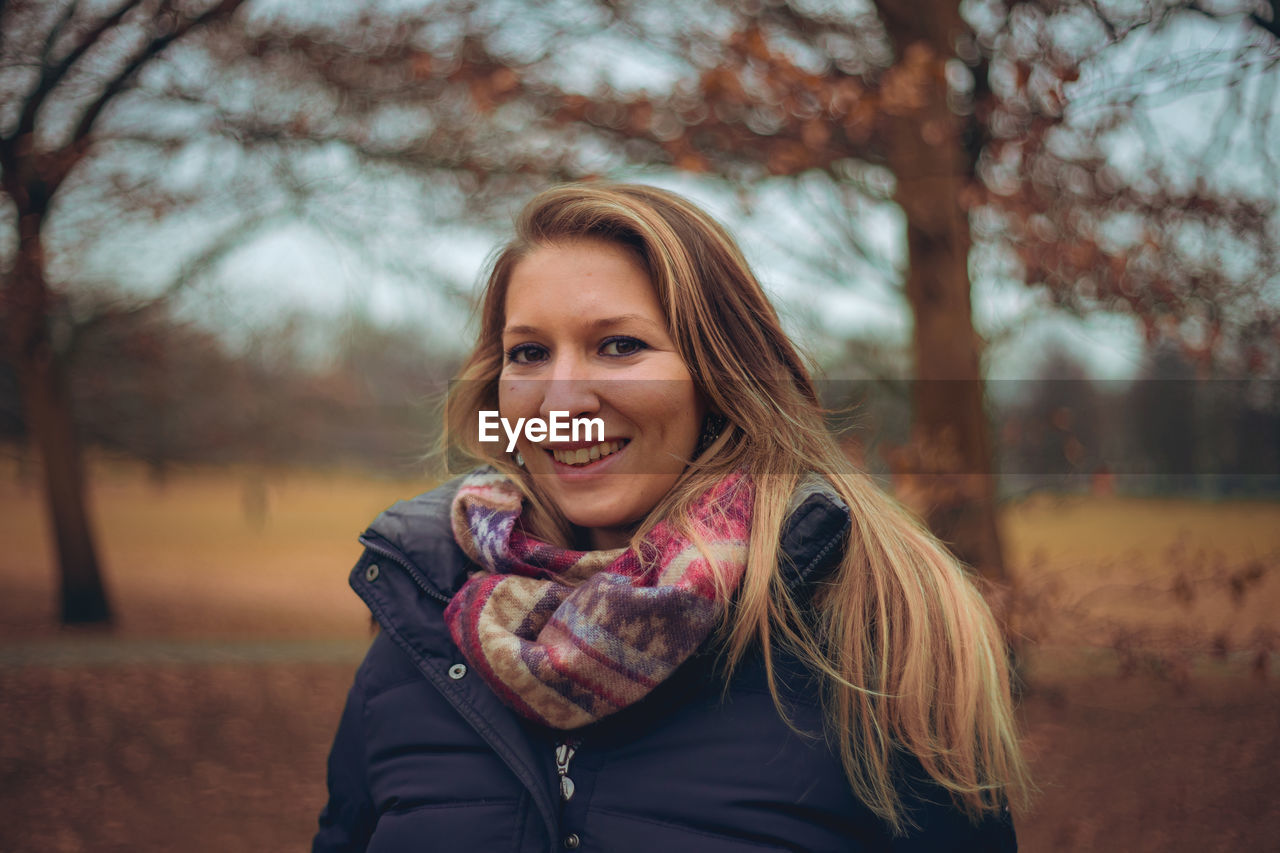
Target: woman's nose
x: 571, y: 389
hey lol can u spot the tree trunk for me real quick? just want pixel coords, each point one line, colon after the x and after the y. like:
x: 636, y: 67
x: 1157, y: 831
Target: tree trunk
x: 46, y: 398
x: 932, y: 167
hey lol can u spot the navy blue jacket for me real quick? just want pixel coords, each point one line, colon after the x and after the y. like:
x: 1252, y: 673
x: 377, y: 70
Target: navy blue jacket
x: 428, y: 759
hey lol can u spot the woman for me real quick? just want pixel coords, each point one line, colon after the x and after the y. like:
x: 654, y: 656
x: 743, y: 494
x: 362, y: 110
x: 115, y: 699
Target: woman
x: 696, y: 627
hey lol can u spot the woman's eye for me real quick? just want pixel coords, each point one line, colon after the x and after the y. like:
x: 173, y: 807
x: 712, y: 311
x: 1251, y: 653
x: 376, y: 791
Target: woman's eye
x: 622, y: 346
x: 526, y: 354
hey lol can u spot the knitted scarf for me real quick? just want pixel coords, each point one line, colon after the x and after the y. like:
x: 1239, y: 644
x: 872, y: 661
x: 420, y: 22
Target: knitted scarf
x: 567, y: 637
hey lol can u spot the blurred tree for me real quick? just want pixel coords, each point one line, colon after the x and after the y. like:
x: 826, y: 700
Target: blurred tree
x: 961, y: 120
x: 1168, y: 414
x: 138, y: 112
x: 1054, y: 427
x: 959, y: 114
x: 63, y: 68
x: 361, y: 403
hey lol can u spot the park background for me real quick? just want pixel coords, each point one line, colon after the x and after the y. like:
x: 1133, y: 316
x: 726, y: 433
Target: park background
x: 1031, y: 246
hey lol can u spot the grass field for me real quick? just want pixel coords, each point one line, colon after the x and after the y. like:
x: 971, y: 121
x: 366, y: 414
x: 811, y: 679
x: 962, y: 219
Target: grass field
x: 213, y: 554
x: 202, y: 721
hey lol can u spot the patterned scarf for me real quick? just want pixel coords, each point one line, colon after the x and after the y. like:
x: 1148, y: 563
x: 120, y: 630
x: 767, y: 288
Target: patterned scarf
x: 568, y: 637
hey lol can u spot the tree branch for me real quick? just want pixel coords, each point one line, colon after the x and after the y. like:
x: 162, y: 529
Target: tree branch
x: 152, y: 49
x: 1272, y: 26
x: 1113, y: 35
x: 68, y: 12
x: 218, y: 249
x: 52, y: 75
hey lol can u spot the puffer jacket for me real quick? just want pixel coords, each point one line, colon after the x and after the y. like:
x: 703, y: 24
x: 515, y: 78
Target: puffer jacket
x: 427, y: 758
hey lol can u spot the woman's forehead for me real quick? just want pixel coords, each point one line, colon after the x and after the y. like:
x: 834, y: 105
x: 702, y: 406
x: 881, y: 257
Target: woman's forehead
x: 598, y: 282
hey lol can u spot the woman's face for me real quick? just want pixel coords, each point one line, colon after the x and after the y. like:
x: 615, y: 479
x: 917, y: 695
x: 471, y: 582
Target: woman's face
x: 584, y: 334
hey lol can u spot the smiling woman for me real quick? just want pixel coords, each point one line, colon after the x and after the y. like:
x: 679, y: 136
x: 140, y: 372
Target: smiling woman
x: 700, y: 629
x: 609, y: 356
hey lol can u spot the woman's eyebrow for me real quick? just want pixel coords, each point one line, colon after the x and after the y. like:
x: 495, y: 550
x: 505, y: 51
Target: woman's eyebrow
x: 601, y: 322
x: 619, y: 320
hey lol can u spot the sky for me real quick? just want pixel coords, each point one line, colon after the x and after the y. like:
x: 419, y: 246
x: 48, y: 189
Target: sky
x: 300, y: 267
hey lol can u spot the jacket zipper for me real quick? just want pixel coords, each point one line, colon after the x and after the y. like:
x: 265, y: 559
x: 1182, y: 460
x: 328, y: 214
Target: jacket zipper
x: 565, y: 750
x: 408, y: 567
x: 402, y: 561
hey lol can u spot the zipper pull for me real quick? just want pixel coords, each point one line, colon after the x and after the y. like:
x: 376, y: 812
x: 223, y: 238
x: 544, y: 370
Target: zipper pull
x: 564, y: 754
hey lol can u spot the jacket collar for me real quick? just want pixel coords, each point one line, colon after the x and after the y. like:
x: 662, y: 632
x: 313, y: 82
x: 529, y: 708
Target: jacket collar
x: 420, y: 529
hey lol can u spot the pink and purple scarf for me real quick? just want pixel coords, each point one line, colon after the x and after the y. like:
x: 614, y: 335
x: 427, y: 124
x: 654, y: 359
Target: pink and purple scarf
x: 567, y: 637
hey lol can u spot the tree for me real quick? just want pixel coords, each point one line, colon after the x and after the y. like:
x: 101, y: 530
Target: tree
x: 105, y: 110
x: 962, y: 121
x: 70, y: 69
x: 968, y: 115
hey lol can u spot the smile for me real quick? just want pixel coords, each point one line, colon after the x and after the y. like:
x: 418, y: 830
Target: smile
x: 587, y: 455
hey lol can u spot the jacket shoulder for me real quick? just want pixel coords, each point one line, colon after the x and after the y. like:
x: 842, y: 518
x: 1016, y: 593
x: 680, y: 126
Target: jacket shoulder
x: 420, y: 530
x: 813, y: 536
x: 424, y: 515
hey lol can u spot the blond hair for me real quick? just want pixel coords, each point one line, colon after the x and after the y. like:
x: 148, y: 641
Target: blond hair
x: 908, y: 652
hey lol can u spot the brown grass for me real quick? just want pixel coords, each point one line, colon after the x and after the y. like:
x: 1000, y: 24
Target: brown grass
x: 1122, y: 583
x: 193, y: 558
x: 202, y: 722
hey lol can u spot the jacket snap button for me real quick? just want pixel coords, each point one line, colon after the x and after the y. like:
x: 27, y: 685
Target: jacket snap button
x: 457, y: 671
x: 371, y: 573
x: 571, y: 841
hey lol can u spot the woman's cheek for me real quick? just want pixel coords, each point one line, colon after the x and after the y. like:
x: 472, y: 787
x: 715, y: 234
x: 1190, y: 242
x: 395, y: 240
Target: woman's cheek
x: 517, y: 399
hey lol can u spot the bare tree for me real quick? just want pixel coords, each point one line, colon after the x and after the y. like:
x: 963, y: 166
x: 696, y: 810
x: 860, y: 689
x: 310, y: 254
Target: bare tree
x: 65, y: 69
x: 964, y: 121
x: 102, y: 104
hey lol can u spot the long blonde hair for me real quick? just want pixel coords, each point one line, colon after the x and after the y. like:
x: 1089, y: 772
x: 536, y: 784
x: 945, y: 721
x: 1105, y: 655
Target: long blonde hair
x: 909, y: 655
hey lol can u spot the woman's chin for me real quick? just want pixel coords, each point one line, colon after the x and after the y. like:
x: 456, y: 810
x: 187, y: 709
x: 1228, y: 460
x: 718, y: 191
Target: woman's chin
x: 592, y: 504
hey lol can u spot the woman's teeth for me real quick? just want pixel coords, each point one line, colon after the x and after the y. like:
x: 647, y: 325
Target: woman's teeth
x: 584, y: 455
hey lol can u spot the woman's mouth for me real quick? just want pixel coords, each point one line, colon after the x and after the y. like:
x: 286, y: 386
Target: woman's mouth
x: 583, y: 456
